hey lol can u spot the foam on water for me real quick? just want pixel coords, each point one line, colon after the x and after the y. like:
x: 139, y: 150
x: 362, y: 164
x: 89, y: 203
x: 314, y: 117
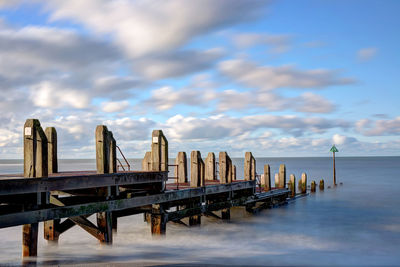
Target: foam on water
x: 354, y: 224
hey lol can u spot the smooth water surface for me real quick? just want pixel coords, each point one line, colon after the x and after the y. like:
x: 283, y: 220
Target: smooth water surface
x: 357, y: 223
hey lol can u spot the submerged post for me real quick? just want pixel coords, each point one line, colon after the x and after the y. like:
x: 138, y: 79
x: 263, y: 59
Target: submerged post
x: 282, y: 176
x: 303, y: 183
x: 292, y: 185
x: 313, y: 186
x: 181, y: 170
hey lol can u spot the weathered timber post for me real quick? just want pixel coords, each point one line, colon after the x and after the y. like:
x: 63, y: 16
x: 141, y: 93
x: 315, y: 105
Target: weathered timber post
x: 35, y: 165
x: 276, y: 180
x: 223, y: 168
x: 210, y: 173
x: 196, y: 180
x: 105, y: 164
x: 112, y: 152
x: 313, y: 186
x: 282, y: 176
x: 303, y: 183
x: 234, y: 173
x: 50, y: 229
x: 266, y: 178
x: 195, y: 169
x: 202, y: 172
x: 181, y: 170
x: 51, y: 135
x: 321, y: 184
x: 159, y: 151
x: 292, y: 185
x: 146, y: 162
x: 158, y: 220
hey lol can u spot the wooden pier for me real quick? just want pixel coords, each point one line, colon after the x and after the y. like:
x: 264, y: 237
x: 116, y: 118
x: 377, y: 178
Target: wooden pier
x: 64, y: 199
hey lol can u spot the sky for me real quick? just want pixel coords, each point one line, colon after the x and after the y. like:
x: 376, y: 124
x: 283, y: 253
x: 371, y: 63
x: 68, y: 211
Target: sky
x: 278, y: 78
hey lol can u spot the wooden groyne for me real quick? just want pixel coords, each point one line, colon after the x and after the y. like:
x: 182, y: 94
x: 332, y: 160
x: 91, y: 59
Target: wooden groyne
x: 65, y: 199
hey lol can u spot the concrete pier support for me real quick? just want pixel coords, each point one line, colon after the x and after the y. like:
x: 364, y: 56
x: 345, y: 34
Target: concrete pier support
x: 210, y: 169
x: 181, y: 170
x: 282, y: 176
x: 266, y: 178
x: 249, y: 167
x: 292, y: 185
x: 303, y: 183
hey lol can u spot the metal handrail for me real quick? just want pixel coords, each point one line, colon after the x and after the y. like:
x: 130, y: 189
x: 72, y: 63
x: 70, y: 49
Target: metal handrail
x: 126, y: 161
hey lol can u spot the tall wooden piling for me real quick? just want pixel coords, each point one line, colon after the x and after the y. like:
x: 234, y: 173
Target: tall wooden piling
x: 292, y: 185
x: 35, y: 165
x: 106, y: 163
x: 249, y: 167
x: 282, y: 176
x: 51, y: 135
x: 303, y: 183
x: 266, y: 178
x: 181, y: 170
x: 210, y: 167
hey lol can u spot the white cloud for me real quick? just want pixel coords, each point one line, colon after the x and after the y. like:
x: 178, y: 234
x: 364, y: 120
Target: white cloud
x: 366, y: 54
x: 268, y: 78
x: 379, y: 127
x: 50, y: 95
x: 148, y: 27
x: 115, y: 106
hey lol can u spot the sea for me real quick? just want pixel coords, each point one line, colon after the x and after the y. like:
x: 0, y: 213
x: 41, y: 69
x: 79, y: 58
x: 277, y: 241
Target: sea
x: 356, y: 223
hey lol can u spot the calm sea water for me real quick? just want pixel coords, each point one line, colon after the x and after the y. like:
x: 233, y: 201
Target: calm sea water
x: 357, y: 223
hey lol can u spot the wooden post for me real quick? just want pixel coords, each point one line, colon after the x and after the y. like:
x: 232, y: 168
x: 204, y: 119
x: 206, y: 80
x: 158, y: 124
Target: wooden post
x: 105, y: 164
x: 313, y: 186
x: 102, y: 150
x: 51, y: 135
x: 276, y: 180
x: 248, y: 173
x: 158, y: 220
x: 321, y: 184
x: 181, y: 170
x: 196, y: 180
x: 292, y: 185
x: 210, y: 172
x: 202, y: 172
x: 266, y: 178
x: 303, y: 183
x: 282, y: 176
x: 223, y: 167
x: 112, y: 152
x: 35, y: 165
x: 146, y: 162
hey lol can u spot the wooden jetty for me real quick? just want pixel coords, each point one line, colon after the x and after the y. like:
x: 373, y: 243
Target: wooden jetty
x: 64, y: 199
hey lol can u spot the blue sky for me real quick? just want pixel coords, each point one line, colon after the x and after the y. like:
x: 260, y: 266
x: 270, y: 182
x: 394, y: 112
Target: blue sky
x: 278, y: 78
